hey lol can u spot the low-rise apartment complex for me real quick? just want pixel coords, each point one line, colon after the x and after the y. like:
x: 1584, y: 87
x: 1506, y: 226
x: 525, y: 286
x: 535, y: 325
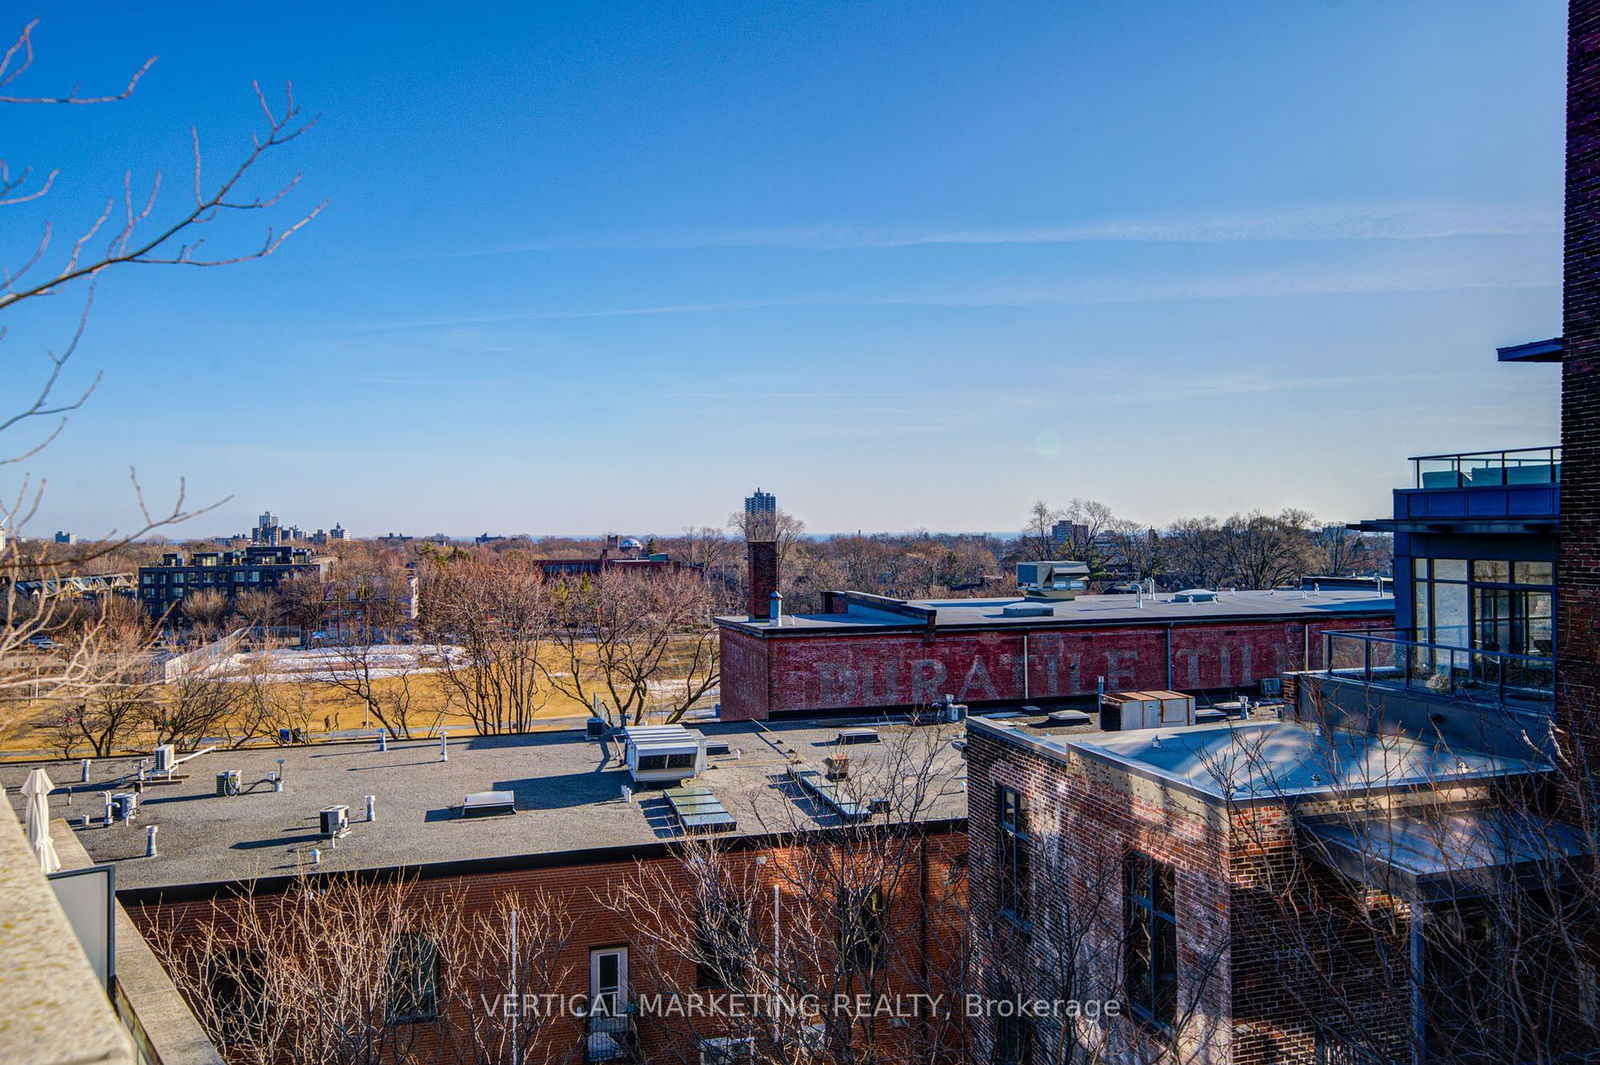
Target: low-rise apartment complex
x: 256, y: 568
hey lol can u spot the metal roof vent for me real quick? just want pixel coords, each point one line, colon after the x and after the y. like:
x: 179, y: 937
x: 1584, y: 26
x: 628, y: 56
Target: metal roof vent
x: 489, y: 804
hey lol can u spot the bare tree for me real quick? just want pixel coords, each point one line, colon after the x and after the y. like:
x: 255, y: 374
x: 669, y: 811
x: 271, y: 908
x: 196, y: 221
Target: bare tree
x: 864, y: 907
x: 344, y: 971
x: 196, y: 706
x: 637, y: 641
x: 494, y: 607
x: 109, y: 697
x: 1266, y: 551
x: 133, y: 228
x: 205, y: 611
x: 1492, y: 957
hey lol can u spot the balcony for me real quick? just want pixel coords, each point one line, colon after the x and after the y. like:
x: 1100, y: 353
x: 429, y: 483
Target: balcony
x: 1390, y: 661
x: 611, y: 1038
x: 1516, y: 490
x: 1493, y: 469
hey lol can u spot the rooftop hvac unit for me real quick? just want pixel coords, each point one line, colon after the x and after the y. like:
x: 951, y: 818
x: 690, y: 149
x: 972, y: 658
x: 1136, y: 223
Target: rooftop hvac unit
x: 1153, y: 709
x: 489, y: 804
x: 335, y: 820
x: 663, y: 754
x: 166, y: 758
x: 1052, y: 580
x: 228, y: 782
x: 124, y: 804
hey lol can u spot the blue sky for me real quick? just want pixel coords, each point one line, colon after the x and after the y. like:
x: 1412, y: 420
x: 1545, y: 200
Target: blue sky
x: 608, y: 267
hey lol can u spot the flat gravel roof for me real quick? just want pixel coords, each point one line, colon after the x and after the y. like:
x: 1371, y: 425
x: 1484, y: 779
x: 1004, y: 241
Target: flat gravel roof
x: 1084, y: 610
x: 568, y: 800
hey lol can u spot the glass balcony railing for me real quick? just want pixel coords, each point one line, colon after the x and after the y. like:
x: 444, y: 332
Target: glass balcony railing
x: 1387, y: 659
x: 1478, y: 469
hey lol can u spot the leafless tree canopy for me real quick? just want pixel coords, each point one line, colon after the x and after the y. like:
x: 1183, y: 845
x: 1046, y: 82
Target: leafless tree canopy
x: 136, y: 226
x: 341, y: 971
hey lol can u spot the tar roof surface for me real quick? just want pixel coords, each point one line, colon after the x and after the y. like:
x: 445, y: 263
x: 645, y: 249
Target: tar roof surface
x: 1265, y: 760
x: 567, y: 800
x: 1090, y: 609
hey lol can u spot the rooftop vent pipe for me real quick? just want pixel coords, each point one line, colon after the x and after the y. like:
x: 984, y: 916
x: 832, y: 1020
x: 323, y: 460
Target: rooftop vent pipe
x: 150, y: 841
x: 775, y: 608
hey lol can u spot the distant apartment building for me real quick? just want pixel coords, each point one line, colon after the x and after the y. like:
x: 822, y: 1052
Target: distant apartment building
x: 256, y: 568
x: 1069, y: 532
x: 760, y: 504
x: 321, y: 538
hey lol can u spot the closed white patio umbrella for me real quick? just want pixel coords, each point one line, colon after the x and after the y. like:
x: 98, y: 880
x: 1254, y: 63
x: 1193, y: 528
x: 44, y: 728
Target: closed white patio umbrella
x: 36, y: 789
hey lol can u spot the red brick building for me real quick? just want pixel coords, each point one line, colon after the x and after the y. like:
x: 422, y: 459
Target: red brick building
x: 872, y: 653
x: 835, y: 892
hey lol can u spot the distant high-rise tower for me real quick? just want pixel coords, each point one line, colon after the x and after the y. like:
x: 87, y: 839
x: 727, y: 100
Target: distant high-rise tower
x: 761, y: 503
x: 267, y: 531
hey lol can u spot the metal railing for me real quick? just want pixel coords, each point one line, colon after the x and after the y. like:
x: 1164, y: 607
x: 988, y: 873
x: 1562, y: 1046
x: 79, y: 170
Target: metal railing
x: 1476, y: 469
x: 1387, y: 659
x: 611, y: 1037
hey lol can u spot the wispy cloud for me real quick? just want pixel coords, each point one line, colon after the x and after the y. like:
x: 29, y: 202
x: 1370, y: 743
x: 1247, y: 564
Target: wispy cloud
x: 1414, y: 271
x: 1420, y: 220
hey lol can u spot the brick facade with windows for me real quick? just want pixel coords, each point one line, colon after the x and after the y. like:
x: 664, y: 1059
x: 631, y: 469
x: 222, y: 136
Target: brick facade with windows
x: 918, y: 944
x: 1234, y: 939
x: 776, y: 671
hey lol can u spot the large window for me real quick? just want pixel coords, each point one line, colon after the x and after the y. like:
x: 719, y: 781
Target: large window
x: 237, y: 989
x: 722, y: 942
x: 1484, y: 604
x: 1151, y: 952
x: 861, y: 928
x: 413, y: 980
x: 1013, y: 862
x: 727, y: 1050
x: 1013, y: 1035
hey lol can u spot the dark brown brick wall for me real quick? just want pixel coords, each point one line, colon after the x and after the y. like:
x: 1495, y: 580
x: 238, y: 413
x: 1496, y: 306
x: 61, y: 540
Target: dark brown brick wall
x: 1579, y: 570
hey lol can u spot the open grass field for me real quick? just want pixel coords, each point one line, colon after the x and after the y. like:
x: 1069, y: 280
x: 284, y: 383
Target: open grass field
x: 298, y: 682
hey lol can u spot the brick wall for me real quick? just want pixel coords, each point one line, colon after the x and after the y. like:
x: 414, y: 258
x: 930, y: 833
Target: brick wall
x: 1263, y: 935
x: 926, y: 920
x: 1085, y: 818
x: 745, y: 676
x: 803, y: 673
x: 1579, y: 570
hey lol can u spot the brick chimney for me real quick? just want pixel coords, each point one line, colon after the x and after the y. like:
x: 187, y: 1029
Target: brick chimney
x: 1578, y: 576
x: 763, y: 555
